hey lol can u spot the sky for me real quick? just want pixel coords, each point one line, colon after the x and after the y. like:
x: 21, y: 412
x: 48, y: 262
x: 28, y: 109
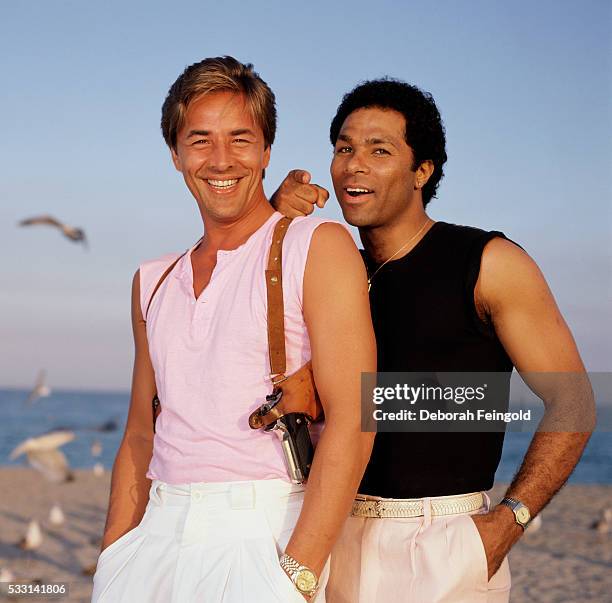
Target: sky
x: 524, y: 88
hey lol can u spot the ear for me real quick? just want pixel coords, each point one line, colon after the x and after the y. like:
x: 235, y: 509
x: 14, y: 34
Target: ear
x: 423, y: 173
x: 266, y: 159
x: 176, y: 160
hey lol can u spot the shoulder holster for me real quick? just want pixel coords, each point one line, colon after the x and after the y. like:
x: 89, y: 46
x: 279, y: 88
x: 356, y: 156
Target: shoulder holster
x: 296, y: 393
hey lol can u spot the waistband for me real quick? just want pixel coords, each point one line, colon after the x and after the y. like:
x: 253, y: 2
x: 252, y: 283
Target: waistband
x: 372, y: 506
x: 224, y: 495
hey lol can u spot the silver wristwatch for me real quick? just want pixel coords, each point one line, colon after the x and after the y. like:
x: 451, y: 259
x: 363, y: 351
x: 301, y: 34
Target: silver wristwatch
x: 304, y: 579
x: 522, y: 516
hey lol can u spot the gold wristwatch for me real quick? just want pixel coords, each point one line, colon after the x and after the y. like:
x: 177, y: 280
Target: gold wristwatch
x: 304, y: 579
x: 522, y: 516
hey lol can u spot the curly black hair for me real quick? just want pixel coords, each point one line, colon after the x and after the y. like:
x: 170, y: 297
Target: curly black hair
x: 424, y: 128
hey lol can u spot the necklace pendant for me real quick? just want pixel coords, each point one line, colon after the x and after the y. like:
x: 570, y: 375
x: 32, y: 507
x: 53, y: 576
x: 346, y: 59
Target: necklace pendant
x: 392, y: 256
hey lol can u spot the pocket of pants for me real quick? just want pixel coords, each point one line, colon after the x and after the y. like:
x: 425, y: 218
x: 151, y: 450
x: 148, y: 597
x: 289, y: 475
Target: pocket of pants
x: 117, y: 545
x: 281, y: 520
x: 281, y: 582
x: 479, y: 555
x: 285, y: 584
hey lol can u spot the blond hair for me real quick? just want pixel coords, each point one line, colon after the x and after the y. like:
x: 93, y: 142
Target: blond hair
x: 214, y: 75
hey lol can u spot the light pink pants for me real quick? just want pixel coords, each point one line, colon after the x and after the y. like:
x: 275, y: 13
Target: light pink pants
x: 421, y: 560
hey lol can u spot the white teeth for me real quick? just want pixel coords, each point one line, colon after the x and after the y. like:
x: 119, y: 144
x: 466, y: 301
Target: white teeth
x: 358, y: 190
x: 222, y: 183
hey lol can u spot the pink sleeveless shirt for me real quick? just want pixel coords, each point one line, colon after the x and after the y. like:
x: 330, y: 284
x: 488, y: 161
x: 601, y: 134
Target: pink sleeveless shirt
x: 211, y: 359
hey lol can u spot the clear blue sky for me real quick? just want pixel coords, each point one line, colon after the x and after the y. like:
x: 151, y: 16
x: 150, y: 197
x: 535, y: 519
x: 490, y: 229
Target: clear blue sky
x: 524, y: 88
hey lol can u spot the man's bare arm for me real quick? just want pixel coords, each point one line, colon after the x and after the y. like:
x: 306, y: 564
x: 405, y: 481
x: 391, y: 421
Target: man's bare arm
x: 129, y: 486
x: 337, y: 313
x: 297, y: 196
x: 513, y: 292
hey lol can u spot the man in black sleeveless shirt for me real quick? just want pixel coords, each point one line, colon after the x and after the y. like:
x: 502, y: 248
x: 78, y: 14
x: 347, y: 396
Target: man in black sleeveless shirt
x: 443, y: 298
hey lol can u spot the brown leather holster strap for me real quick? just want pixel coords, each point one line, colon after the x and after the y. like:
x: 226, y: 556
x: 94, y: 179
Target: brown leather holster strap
x: 162, y: 278
x: 297, y: 392
x: 299, y: 395
x: 276, y: 306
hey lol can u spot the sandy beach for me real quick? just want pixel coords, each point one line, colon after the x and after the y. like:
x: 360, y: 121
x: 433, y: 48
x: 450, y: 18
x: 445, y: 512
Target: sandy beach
x: 564, y: 561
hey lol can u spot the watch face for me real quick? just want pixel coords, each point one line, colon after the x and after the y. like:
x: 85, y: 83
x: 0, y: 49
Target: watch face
x: 522, y: 515
x: 305, y: 581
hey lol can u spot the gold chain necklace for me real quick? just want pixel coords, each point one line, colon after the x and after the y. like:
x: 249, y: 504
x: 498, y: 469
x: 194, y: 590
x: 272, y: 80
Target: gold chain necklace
x: 402, y: 247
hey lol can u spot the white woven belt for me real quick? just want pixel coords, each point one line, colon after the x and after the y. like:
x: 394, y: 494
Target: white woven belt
x: 413, y: 507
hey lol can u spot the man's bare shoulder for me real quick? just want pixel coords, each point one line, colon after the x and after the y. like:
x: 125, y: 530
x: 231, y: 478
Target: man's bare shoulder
x: 508, y: 274
x: 314, y: 223
x: 333, y: 235
x: 333, y: 244
x: 502, y: 258
x: 323, y: 238
x: 334, y: 262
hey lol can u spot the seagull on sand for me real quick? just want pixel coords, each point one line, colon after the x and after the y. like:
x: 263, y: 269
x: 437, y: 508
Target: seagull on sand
x: 71, y: 232
x: 56, y: 515
x: 534, y: 525
x: 41, y: 389
x: 89, y: 570
x: 43, y: 454
x: 6, y: 575
x: 96, y: 448
x: 33, y: 537
x: 604, y: 524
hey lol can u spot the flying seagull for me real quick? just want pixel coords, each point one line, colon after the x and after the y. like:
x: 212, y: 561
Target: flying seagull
x: 43, y: 454
x: 41, y: 389
x: 71, y: 232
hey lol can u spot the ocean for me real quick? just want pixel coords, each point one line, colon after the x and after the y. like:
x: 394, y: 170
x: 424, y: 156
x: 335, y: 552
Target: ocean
x: 100, y: 417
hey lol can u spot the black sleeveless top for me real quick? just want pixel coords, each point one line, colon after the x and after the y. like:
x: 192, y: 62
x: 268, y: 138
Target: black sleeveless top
x: 425, y: 319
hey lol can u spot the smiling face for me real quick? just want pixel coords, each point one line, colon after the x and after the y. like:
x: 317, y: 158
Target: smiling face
x: 220, y: 151
x: 372, y: 168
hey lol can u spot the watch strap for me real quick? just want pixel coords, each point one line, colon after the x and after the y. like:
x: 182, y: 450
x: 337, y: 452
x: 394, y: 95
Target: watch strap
x: 293, y: 567
x: 510, y: 502
x: 514, y: 504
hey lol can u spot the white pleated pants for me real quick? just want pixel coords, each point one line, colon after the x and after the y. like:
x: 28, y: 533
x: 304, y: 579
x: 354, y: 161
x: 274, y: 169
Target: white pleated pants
x: 213, y: 543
